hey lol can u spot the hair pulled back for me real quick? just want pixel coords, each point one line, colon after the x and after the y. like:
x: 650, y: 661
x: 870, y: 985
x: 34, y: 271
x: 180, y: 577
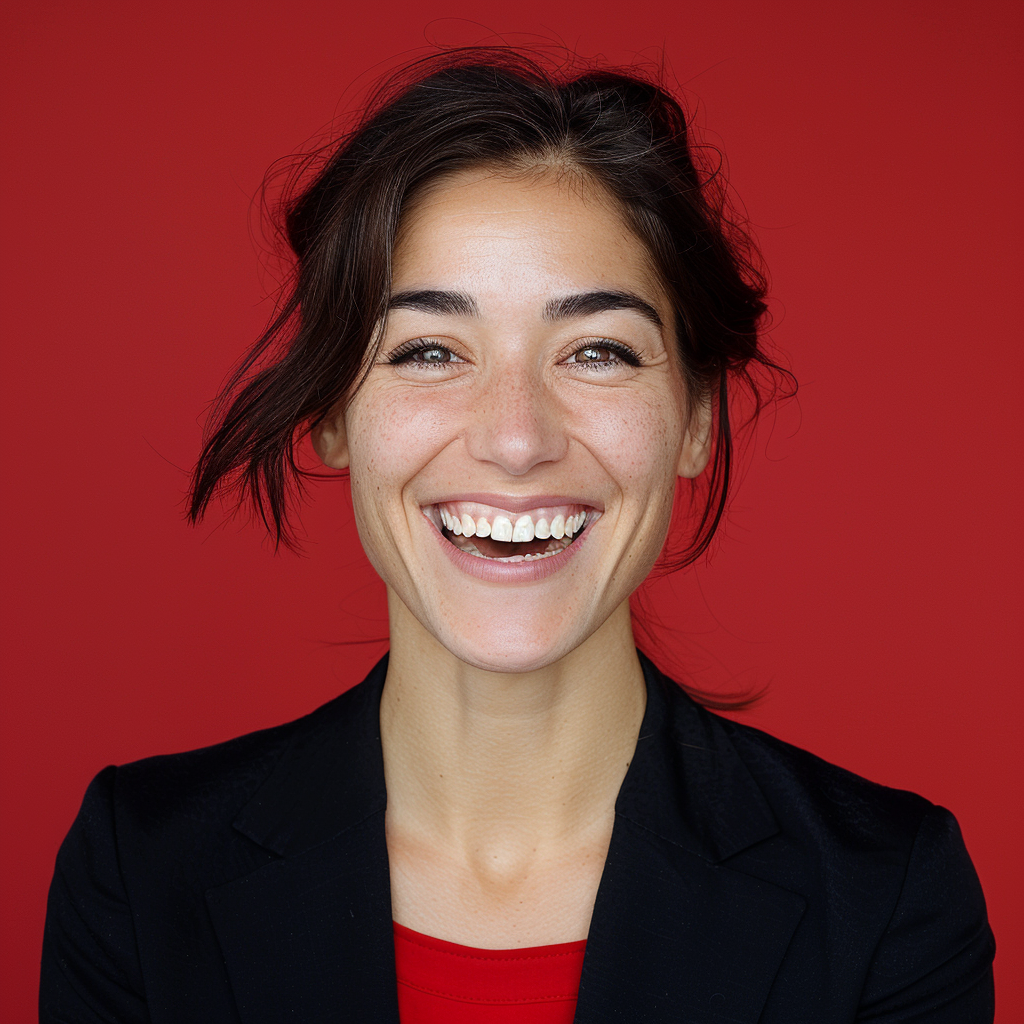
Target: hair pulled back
x: 448, y: 112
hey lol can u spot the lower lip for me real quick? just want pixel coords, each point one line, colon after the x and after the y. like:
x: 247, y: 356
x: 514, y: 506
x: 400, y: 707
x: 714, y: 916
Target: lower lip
x: 493, y: 571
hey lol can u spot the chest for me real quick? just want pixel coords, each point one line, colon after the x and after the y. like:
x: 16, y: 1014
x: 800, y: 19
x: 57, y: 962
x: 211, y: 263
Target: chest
x: 500, y: 896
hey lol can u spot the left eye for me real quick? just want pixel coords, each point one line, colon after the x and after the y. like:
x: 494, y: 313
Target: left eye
x: 431, y: 355
x: 604, y: 354
x: 593, y: 354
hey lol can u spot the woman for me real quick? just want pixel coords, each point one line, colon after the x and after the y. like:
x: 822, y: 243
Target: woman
x: 517, y: 315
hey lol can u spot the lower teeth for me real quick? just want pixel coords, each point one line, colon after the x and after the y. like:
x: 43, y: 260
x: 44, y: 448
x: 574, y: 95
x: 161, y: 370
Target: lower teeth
x: 472, y: 549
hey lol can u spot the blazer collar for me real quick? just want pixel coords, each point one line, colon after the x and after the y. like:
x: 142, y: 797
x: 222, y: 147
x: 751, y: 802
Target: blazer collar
x: 676, y: 934
x: 329, y: 778
x: 686, y: 783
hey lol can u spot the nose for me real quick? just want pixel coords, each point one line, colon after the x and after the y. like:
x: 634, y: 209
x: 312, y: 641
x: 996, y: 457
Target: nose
x: 516, y: 423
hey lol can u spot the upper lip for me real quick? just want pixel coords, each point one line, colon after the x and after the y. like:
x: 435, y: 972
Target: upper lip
x: 516, y: 504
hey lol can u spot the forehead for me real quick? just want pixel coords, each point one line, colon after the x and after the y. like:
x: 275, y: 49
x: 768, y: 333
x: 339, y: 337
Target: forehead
x: 515, y: 233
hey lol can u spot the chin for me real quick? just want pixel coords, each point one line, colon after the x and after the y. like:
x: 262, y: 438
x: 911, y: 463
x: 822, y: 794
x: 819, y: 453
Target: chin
x: 513, y: 651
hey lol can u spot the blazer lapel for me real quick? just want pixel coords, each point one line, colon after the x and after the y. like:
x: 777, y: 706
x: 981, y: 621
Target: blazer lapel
x: 308, y: 936
x: 676, y: 934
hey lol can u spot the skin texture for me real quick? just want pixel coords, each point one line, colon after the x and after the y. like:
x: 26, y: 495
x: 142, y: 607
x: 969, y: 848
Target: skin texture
x: 511, y: 709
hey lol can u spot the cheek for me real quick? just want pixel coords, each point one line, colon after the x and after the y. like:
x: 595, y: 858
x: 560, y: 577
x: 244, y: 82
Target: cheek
x: 390, y: 440
x: 638, y: 442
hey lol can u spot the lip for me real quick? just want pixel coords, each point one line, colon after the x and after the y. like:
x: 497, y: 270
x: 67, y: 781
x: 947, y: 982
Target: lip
x: 517, y: 504
x: 494, y: 571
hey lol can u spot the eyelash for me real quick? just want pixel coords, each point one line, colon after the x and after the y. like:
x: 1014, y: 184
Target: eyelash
x: 405, y: 351
x: 623, y: 353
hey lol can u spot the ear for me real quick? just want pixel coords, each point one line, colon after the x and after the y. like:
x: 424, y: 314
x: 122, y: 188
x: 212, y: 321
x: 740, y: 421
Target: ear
x: 330, y: 439
x: 696, y: 441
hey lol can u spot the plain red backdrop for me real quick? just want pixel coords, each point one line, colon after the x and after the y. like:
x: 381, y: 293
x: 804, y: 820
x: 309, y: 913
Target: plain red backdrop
x: 870, y: 568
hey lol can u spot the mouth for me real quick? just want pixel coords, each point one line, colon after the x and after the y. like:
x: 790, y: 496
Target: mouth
x: 500, y: 535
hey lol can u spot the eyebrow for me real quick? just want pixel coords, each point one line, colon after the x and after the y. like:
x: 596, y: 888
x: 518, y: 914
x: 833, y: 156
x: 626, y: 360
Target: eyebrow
x: 441, y: 303
x: 589, y: 303
x: 569, y: 307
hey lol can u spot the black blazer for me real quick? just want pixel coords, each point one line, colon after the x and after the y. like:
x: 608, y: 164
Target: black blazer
x: 746, y: 880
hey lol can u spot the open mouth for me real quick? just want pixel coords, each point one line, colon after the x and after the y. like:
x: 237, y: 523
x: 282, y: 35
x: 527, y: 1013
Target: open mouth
x: 502, y: 536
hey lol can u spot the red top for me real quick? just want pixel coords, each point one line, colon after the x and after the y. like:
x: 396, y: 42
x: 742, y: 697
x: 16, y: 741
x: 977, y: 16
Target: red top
x: 442, y: 983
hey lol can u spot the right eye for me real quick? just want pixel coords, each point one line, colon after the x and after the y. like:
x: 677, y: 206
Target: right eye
x: 423, y: 353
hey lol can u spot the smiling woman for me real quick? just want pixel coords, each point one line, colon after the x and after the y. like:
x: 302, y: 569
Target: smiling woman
x: 518, y: 314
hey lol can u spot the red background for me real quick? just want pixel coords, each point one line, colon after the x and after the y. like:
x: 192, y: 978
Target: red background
x: 870, y: 568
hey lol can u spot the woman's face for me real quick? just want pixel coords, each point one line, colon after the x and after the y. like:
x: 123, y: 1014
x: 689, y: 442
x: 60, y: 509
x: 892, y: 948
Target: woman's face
x: 514, y: 449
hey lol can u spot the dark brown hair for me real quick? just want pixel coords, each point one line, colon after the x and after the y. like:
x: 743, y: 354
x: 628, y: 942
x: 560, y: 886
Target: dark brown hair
x: 458, y: 109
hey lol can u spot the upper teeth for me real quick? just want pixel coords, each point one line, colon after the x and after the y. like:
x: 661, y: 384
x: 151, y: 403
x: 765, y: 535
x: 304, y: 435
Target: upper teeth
x: 522, y: 528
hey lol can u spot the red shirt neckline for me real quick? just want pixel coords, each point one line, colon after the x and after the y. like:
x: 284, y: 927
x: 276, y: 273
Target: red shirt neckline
x: 448, y: 970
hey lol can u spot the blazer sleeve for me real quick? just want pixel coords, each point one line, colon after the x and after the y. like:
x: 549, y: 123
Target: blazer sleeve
x: 934, y: 961
x: 90, y: 967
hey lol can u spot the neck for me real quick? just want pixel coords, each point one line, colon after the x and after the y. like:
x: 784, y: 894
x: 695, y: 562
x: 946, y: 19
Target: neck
x: 481, y: 760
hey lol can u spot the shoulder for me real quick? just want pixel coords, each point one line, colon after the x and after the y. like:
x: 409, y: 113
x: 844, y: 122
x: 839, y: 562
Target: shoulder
x: 196, y: 796
x: 888, y: 885
x: 153, y: 837
x: 208, y: 782
x: 808, y: 797
x: 800, y: 785
x: 845, y: 818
